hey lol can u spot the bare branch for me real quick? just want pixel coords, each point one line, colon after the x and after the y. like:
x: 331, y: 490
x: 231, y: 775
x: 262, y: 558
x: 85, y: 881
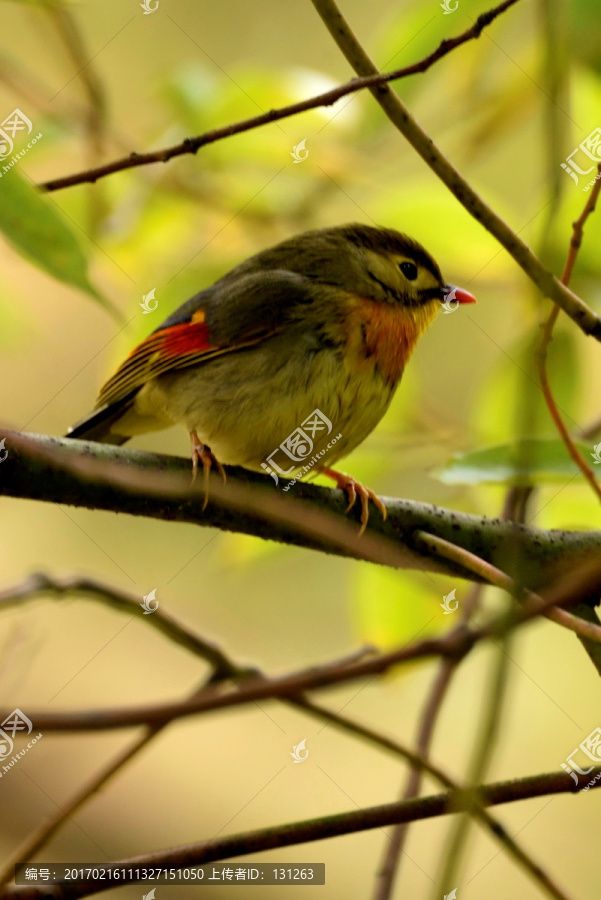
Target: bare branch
x: 455, y: 644
x: 501, y: 579
x: 99, y: 476
x: 123, y: 601
x: 547, y: 335
x: 252, y: 842
x: 193, y: 145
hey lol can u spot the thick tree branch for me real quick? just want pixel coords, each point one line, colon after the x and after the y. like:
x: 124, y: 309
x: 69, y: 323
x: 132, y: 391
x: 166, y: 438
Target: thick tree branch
x: 99, y: 476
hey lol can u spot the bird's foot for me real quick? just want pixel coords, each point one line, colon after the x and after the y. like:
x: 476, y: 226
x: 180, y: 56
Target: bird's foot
x: 354, y: 489
x: 201, y: 453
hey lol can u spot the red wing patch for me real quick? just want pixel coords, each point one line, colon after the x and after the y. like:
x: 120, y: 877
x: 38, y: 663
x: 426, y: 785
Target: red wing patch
x: 171, y: 348
x: 191, y: 337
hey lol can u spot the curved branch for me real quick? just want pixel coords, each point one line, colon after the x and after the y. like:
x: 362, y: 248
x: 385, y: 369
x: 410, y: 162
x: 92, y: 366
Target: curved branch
x: 494, y: 576
x: 181, y: 635
x: 37, y: 584
x: 452, y: 645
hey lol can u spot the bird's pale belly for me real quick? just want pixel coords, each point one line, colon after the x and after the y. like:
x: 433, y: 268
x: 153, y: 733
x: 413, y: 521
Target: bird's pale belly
x: 245, y: 412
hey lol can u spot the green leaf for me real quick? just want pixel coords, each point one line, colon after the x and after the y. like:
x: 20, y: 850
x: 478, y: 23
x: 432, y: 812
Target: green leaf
x: 34, y: 226
x: 523, y: 463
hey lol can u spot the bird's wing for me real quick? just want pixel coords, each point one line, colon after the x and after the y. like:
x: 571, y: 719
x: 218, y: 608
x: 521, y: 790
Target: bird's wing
x: 233, y: 314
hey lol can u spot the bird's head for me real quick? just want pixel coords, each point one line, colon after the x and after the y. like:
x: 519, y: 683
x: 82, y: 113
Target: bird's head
x: 397, y: 286
x: 395, y: 269
x: 379, y: 264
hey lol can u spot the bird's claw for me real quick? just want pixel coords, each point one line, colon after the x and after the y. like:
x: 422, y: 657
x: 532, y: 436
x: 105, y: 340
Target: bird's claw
x: 202, y: 453
x: 354, y: 489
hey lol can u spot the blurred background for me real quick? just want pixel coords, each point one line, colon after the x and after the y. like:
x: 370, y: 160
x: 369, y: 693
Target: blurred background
x: 100, y: 80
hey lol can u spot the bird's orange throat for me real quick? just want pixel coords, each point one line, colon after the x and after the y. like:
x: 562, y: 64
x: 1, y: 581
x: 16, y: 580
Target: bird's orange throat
x: 389, y: 333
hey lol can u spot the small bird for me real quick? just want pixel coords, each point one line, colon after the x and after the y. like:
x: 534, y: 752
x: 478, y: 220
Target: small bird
x: 325, y: 321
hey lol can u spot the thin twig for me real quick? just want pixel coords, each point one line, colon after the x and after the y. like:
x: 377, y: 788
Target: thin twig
x: 500, y: 579
x: 94, y: 114
x: 327, y: 98
x: 456, y: 643
x: 252, y: 842
x: 391, y: 864
x: 223, y: 667
x: 40, y: 836
x: 123, y: 601
x: 421, y: 763
x: 478, y: 767
x: 547, y: 334
x: 389, y: 868
x: 36, y: 584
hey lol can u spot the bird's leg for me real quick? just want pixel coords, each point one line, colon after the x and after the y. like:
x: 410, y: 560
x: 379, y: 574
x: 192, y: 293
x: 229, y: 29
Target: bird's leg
x: 354, y: 489
x: 202, y: 453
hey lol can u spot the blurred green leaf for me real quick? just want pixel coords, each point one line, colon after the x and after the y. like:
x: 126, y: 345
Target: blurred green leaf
x: 33, y: 226
x: 391, y: 608
x: 527, y: 461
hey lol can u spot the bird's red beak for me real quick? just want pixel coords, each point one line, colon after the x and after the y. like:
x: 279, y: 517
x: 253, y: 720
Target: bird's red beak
x: 451, y: 292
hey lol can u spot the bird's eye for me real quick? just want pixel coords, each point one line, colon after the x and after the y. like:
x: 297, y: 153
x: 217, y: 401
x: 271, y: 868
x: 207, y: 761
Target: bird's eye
x: 409, y: 270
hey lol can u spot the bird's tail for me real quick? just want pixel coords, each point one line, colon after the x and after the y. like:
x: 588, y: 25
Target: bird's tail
x: 98, y: 425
